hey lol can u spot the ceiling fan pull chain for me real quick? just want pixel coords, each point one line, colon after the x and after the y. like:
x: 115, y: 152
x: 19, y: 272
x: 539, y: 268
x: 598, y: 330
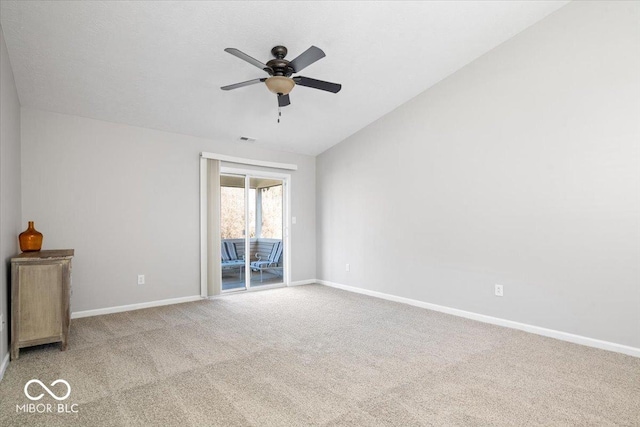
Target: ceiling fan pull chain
x: 279, y: 114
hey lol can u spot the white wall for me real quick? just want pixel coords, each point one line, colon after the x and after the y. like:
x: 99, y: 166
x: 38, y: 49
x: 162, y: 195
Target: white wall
x: 523, y: 169
x: 127, y: 200
x: 10, y: 204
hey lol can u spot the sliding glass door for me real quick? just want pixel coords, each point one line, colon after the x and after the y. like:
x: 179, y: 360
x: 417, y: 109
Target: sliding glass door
x: 266, y: 244
x: 252, y: 230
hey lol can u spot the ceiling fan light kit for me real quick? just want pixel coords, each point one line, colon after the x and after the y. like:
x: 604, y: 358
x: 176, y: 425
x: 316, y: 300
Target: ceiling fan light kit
x: 280, y: 85
x: 280, y: 70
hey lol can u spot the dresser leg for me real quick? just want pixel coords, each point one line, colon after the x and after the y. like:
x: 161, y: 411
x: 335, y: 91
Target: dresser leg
x: 15, y: 352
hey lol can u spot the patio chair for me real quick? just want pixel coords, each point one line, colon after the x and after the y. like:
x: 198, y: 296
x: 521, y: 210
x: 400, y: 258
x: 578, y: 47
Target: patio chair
x: 272, y: 262
x: 230, y: 257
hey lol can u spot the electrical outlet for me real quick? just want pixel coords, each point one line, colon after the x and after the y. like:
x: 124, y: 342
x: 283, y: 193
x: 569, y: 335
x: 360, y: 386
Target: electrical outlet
x: 140, y: 279
x: 499, y: 291
x: 348, y: 267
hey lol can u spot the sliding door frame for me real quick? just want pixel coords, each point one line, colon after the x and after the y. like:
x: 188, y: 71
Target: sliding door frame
x: 286, y: 209
x: 286, y: 219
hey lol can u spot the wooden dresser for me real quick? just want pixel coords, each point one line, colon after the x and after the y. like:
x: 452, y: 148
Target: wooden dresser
x: 40, y: 294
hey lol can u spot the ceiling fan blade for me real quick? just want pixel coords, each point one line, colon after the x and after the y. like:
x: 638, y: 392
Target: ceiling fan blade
x: 318, y: 84
x: 306, y: 58
x: 235, y: 52
x: 242, y: 84
x: 283, y: 100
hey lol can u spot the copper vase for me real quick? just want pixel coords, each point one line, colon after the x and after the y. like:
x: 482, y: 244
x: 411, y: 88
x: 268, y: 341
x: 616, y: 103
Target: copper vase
x: 30, y: 239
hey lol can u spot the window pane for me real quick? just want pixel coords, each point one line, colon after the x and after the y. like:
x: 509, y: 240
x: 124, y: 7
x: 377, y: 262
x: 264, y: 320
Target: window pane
x: 272, y: 212
x: 232, y: 212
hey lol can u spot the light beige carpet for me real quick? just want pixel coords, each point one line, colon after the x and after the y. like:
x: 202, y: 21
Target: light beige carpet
x: 313, y: 355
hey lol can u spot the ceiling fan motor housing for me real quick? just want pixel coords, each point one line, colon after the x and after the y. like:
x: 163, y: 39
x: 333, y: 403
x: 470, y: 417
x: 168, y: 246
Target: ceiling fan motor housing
x: 280, y: 66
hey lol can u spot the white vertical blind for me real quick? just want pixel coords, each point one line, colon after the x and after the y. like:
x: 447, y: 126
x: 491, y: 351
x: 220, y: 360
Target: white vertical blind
x: 214, y: 278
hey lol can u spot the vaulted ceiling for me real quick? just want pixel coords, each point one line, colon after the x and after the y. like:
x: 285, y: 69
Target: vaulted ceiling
x: 160, y: 65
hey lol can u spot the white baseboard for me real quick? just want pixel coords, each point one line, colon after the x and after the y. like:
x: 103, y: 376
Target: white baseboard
x: 130, y: 307
x: 4, y: 365
x: 551, y: 333
x: 303, y: 282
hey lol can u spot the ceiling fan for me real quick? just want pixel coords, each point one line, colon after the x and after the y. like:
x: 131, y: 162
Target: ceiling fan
x: 280, y: 70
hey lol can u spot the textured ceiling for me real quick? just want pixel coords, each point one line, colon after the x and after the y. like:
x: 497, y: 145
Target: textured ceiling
x: 160, y: 64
